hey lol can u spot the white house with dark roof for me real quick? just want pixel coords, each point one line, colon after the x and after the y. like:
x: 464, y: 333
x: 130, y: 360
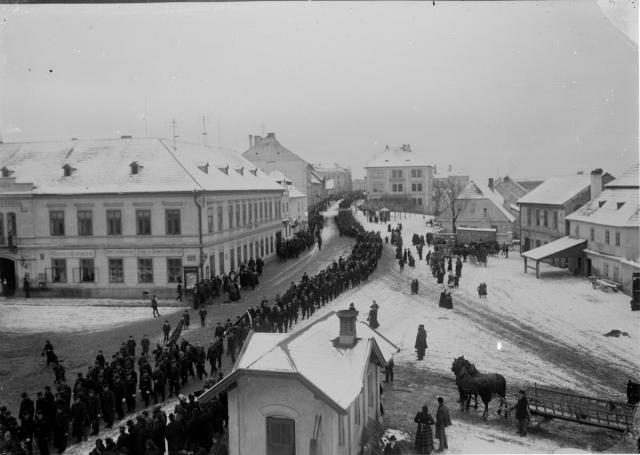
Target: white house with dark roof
x: 317, y: 387
x: 610, y: 224
x: 399, y: 173
x: 116, y: 217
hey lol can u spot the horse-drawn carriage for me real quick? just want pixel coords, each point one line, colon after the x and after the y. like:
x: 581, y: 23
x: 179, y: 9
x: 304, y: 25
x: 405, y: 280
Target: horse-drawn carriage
x: 546, y: 404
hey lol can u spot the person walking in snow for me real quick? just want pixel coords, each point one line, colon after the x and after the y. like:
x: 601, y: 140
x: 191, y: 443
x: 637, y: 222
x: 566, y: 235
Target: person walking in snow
x: 443, y: 420
x: 166, y: 329
x: 522, y: 413
x: 421, y: 341
x: 185, y: 319
x: 154, y: 306
x: 203, y: 315
x: 424, y: 434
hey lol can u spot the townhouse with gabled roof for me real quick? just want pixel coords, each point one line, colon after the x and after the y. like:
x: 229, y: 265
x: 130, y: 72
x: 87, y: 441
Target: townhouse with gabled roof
x: 116, y: 217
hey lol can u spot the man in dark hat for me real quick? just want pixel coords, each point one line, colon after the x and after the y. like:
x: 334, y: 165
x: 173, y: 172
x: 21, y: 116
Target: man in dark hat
x: 421, y: 341
x: 443, y: 420
x: 522, y: 413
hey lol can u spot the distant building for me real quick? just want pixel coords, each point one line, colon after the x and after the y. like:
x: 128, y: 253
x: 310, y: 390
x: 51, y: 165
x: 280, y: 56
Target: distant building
x: 610, y: 224
x: 359, y: 185
x: 452, y: 178
x: 294, y: 205
x: 511, y: 191
x: 114, y: 218
x: 481, y: 207
x: 269, y: 155
x: 400, y: 174
x: 543, y: 210
x: 290, y: 392
x: 341, y: 177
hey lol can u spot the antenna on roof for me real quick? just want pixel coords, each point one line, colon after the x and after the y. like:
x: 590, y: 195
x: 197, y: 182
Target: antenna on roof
x: 204, y: 130
x: 175, y: 136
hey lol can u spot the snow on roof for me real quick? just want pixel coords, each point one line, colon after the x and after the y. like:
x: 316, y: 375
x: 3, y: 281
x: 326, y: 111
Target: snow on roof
x: 279, y: 177
x: 313, y: 354
x: 613, y: 207
x: 551, y: 248
x: 398, y: 157
x: 476, y: 229
x: 295, y: 192
x: 476, y: 190
x: 557, y: 190
x: 628, y: 179
x: 105, y: 166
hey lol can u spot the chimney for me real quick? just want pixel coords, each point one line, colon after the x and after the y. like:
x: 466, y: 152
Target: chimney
x: 256, y: 139
x: 491, y: 184
x: 347, y: 336
x: 250, y: 140
x: 596, y: 183
x: 271, y: 135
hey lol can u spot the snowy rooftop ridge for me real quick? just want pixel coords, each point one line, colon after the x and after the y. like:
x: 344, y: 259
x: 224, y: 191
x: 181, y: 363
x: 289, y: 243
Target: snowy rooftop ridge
x: 557, y: 190
x: 107, y: 166
x: 312, y: 355
x: 398, y: 157
x: 476, y: 190
x: 613, y: 207
x: 629, y: 178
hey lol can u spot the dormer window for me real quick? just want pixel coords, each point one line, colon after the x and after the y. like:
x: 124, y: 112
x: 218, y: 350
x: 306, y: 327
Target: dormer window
x: 619, y: 205
x: 135, y: 168
x: 240, y: 170
x: 6, y: 172
x: 204, y: 168
x: 224, y: 169
x: 68, y: 170
x: 254, y: 171
x: 601, y: 203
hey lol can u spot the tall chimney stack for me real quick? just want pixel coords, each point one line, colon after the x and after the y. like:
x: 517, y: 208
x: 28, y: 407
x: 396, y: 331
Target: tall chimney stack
x: 250, y: 140
x: 596, y: 183
x: 347, y: 336
x: 491, y: 183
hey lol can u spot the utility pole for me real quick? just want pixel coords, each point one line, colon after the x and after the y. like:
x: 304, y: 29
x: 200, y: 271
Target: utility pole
x: 204, y: 130
x: 175, y: 136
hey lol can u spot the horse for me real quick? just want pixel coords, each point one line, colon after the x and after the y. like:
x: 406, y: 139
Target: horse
x: 472, y: 383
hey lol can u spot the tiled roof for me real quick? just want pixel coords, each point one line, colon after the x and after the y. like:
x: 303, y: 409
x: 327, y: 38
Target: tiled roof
x: 557, y: 190
x: 475, y: 190
x: 311, y: 353
x: 613, y: 207
x: 398, y: 157
x: 628, y: 179
x: 104, y: 166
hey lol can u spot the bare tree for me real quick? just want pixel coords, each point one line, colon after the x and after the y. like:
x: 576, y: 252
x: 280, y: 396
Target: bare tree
x: 445, y: 199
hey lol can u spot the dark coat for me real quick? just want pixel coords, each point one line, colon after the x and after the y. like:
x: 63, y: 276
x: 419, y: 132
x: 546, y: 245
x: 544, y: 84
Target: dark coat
x: 522, y: 408
x: 442, y: 417
x: 421, y: 339
x: 424, y: 435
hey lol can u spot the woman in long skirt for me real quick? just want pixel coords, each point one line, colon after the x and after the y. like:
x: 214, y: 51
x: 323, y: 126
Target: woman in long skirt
x: 424, y: 434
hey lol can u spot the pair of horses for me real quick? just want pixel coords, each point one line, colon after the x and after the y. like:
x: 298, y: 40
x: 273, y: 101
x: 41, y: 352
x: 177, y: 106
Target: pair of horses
x: 472, y: 383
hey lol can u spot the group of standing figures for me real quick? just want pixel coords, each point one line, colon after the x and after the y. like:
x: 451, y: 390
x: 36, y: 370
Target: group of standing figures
x: 424, y: 434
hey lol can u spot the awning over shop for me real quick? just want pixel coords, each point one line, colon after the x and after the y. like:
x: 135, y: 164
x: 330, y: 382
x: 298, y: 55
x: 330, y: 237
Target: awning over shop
x: 565, y: 247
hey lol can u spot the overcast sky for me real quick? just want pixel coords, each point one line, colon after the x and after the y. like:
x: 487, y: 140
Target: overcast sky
x: 528, y: 89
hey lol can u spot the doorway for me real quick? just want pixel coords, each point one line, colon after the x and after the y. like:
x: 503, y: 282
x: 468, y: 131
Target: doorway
x: 8, y: 274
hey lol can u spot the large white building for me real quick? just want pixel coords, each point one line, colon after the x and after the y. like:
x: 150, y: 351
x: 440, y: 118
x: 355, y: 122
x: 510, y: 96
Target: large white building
x: 318, y: 387
x: 401, y: 175
x: 113, y: 218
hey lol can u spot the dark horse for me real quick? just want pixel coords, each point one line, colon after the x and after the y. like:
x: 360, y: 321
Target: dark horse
x: 472, y: 383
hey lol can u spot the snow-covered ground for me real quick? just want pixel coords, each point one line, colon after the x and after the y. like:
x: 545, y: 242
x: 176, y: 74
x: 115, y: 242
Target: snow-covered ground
x: 20, y: 315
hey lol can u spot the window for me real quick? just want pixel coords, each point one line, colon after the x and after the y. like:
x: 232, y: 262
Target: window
x: 270, y: 203
x: 244, y: 213
x: 616, y: 272
x: 230, y: 215
x: 221, y: 262
x: 529, y: 210
x: 397, y: 187
x: 238, y: 214
x: 617, y: 238
x: 370, y: 389
x: 396, y: 173
x: 555, y: 219
x: 271, y: 242
x: 116, y: 271
x: 545, y: 218
x: 174, y: 270
x: 220, y: 213
x: 251, y: 250
x: 239, y: 255
x: 143, y: 222
x: 416, y: 187
x: 145, y: 270
x: 59, y: 270
x: 85, y: 224
x: 606, y: 237
x: 244, y: 253
x: 281, y: 436
x: 114, y: 222
x: 1, y: 228
x: 537, y: 243
x: 232, y: 259
x: 210, y: 219
x: 577, y: 231
x: 172, y: 217
x: 340, y: 430
x: 418, y: 201
x: 261, y: 207
x: 619, y: 205
x: 537, y: 217
x: 416, y: 173
x: 12, y: 229
x: 357, y: 410
x: 255, y: 212
x: 56, y: 222
x: 87, y: 271
x: 484, y: 212
x: 606, y: 270
x: 592, y: 234
x: 249, y: 212
x: 261, y: 247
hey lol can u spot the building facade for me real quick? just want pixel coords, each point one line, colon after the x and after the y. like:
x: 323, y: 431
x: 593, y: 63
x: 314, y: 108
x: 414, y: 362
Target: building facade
x: 288, y: 393
x: 611, y: 226
x: 398, y: 174
x: 294, y: 206
x: 544, y: 209
x: 269, y: 155
x: 340, y: 175
x: 116, y: 218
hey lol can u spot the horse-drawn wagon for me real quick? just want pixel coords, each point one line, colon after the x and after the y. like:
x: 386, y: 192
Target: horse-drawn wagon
x: 550, y: 404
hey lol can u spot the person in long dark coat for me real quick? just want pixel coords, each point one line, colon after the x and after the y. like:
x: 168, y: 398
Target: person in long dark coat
x: 522, y: 413
x: 424, y: 434
x: 443, y: 420
x: 421, y: 341
x: 373, y: 316
x: 60, y: 429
